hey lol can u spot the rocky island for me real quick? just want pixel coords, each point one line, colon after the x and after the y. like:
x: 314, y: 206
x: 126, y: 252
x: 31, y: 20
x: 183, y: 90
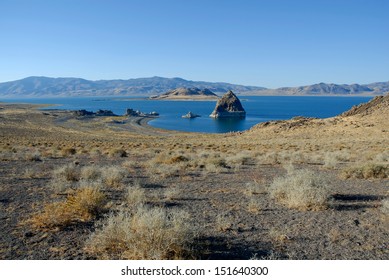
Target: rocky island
x: 228, y: 106
x: 190, y: 115
x: 187, y: 94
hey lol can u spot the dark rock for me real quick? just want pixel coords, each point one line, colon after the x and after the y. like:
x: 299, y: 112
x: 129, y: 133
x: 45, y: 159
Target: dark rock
x: 130, y: 112
x: 82, y: 113
x: 100, y: 113
x: 228, y: 106
x: 104, y: 113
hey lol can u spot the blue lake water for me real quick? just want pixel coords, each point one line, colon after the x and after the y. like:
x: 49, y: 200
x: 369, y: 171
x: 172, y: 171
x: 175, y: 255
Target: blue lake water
x: 258, y: 109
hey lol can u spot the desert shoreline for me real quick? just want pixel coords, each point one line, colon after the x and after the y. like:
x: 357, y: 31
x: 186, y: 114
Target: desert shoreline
x: 220, y: 189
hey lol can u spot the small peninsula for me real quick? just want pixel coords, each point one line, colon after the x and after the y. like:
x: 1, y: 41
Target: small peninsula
x: 183, y: 93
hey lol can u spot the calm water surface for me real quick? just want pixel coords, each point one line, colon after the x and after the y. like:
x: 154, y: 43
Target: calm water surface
x: 258, y: 108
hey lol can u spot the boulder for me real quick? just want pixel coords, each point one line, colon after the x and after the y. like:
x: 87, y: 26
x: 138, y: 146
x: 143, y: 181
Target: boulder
x: 228, y: 106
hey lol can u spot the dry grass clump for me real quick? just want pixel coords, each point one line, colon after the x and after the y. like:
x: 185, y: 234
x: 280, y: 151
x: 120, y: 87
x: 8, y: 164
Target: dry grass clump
x: 367, y: 171
x: 278, y: 236
x: 65, y: 178
x: 254, y: 205
x: 170, y: 158
x: 130, y: 165
x: 215, y: 164
x: 135, y: 196
x: 177, y: 159
x: 172, y: 193
x: 113, y: 176
x: 170, y: 164
x: 34, y: 156
x: 29, y: 173
x: 269, y: 158
x: 91, y: 173
x: 117, y: 152
x: 81, y: 206
x: 239, y: 159
x: 252, y: 188
x: 156, y: 171
x: 69, y: 172
x: 68, y: 151
x: 385, y: 207
x: 224, y: 221
x: 332, y: 159
x: 301, y: 189
x: 382, y: 157
x: 147, y: 234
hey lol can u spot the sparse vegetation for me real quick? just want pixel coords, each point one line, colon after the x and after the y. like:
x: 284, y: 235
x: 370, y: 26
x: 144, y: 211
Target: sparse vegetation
x: 148, y: 233
x: 117, y: 152
x: 224, y: 182
x: 224, y: 221
x: 254, y: 205
x: 385, y: 207
x: 91, y: 173
x: 34, y: 156
x: 366, y: 171
x: 301, y: 189
x: 113, y: 176
x: 81, y: 206
x: 69, y: 173
x: 136, y: 196
x: 68, y: 151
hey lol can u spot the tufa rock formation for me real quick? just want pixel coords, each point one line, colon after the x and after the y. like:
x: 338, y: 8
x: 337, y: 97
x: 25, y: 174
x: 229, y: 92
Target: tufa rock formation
x: 228, y: 106
x: 136, y: 113
x: 190, y: 115
x: 98, y: 113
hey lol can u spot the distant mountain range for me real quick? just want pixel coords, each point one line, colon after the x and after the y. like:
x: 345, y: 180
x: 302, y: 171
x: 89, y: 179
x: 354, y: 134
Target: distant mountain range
x: 44, y: 86
x: 332, y: 89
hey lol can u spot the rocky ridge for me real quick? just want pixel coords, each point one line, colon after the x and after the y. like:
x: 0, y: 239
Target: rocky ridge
x: 379, y: 104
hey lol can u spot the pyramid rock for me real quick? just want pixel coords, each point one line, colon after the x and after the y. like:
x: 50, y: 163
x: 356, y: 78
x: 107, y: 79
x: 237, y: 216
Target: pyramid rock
x: 228, y: 106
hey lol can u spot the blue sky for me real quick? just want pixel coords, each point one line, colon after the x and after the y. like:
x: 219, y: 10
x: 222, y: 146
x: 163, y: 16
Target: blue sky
x: 271, y: 43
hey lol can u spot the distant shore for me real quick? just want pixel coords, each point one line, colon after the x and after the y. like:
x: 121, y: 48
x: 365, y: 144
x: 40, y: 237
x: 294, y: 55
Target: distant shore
x: 137, y: 124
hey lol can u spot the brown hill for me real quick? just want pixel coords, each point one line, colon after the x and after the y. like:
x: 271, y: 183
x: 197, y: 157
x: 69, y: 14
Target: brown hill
x: 187, y: 93
x: 378, y: 104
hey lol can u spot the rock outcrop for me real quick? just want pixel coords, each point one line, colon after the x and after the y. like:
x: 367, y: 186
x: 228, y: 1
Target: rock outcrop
x: 98, y: 113
x: 136, y: 113
x: 379, y: 104
x: 228, y: 106
x: 190, y: 115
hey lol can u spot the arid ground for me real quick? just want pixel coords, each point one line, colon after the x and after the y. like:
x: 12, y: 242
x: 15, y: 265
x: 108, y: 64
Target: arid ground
x: 116, y: 188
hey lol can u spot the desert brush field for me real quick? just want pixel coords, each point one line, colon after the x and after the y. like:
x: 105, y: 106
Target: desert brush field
x: 116, y: 188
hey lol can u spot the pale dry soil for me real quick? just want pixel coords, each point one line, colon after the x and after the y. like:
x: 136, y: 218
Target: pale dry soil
x: 353, y: 226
